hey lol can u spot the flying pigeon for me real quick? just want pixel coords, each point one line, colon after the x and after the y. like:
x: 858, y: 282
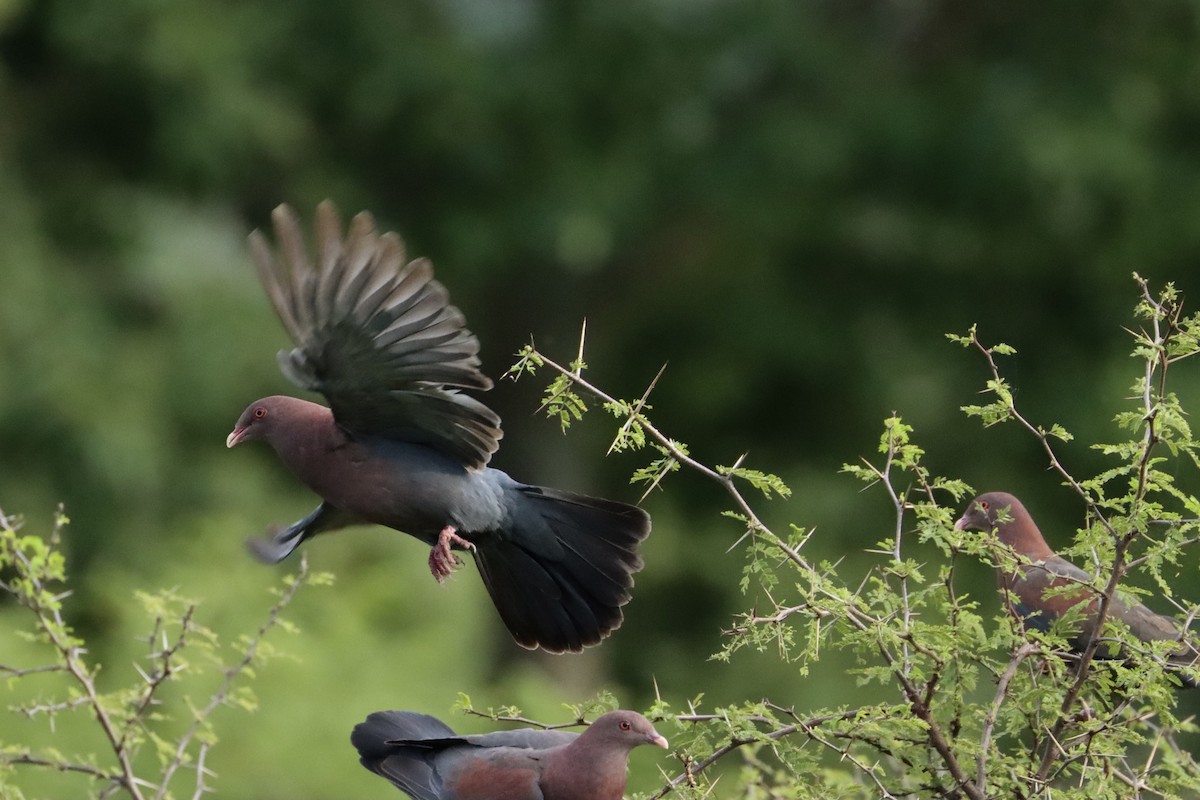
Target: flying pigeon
x: 400, y: 445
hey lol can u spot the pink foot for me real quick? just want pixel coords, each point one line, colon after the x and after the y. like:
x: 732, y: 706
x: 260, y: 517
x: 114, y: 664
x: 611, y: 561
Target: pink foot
x: 442, y: 561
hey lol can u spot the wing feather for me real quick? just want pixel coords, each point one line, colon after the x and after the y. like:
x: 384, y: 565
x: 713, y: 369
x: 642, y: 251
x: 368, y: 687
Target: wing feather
x: 376, y: 335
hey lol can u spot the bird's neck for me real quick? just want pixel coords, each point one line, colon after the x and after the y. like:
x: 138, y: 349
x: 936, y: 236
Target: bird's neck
x: 1022, y: 535
x: 309, y: 436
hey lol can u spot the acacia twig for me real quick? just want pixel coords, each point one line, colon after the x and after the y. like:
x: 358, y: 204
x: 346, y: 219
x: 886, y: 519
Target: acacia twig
x: 221, y: 695
x: 857, y: 617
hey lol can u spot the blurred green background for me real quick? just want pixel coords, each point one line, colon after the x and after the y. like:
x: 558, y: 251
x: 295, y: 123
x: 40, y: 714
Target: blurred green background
x: 788, y: 202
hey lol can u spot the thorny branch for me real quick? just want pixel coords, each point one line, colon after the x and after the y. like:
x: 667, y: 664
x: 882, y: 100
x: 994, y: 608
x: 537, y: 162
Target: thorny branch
x: 28, y: 759
x: 989, y: 722
x: 1155, y: 365
x: 856, y: 616
x: 71, y: 653
x: 164, y: 671
x: 694, y: 768
x: 232, y: 673
x: 119, y: 727
x: 1058, y: 742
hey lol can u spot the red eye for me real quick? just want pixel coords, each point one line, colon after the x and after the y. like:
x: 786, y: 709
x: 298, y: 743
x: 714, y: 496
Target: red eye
x: 625, y: 726
x: 983, y: 504
x: 260, y: 412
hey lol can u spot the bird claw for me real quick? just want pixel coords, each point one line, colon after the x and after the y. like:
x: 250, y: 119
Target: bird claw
x: 442, y: 560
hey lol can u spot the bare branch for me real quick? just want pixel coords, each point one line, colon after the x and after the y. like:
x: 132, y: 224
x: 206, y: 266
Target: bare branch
x: 221, y: 695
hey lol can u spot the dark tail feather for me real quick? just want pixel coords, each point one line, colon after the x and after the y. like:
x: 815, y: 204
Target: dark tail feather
x: 275, y: 546
x: 407, y: 767
x: 560, y: 576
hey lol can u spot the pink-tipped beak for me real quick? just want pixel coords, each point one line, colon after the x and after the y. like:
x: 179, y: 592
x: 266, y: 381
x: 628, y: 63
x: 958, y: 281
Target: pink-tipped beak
x: 234, y: 437
x: 661, y: 741
x: 961, y: 525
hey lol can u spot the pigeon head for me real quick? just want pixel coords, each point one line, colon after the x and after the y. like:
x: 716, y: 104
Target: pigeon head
x: 623, y: 729
x: 988, y: 512
x: 1004, y: 514
x: 266, y: 418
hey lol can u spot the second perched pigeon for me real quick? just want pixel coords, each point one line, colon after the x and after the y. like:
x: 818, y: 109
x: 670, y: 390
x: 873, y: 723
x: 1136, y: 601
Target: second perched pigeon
x: 1026, y: 586
x: 400, y: 446
x: 428, y: 761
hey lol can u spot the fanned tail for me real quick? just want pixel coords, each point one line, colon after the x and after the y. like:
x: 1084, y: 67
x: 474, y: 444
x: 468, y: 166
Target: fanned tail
x: 561, y: 576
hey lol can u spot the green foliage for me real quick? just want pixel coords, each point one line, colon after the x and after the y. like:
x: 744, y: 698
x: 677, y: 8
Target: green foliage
x: 765, y: 482
x: 653, y: 473
x: 1002, y: 408
x: 984, y: 707
x: 981, y: 707
x: 789, y: 201
x: 560, y: 401
x: 159, y: 729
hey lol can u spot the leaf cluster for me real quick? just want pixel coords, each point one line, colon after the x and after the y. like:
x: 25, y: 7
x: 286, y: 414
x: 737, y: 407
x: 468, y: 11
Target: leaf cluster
x: 158, y: 729
x: 981, y: 706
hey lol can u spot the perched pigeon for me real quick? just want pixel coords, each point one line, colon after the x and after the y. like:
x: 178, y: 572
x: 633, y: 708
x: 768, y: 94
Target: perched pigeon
x: 400, y: 446
x: 1025, y: 588
x: 427, y: 761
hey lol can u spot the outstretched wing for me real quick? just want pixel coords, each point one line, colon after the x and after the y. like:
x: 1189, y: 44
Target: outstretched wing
x: 377, y: 336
